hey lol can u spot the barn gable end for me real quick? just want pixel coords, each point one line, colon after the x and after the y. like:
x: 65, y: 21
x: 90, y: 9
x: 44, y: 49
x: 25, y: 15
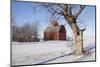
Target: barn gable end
x: 55, y: 32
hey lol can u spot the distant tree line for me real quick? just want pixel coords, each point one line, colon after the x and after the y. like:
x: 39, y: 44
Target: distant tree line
x: 25, y: 33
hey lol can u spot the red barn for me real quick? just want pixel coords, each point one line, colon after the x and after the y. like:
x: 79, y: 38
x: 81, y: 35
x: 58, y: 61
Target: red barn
x: 55, y: 32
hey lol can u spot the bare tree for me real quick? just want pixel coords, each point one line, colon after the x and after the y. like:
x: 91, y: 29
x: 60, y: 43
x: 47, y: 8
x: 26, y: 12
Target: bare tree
x: 70, y: 14
x: 35, y: 30
x: 26, y: 32
x: 14, y: 30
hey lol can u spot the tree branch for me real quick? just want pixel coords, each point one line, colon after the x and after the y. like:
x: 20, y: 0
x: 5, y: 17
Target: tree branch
x: 80, y: 10
x: 65, y: 10
x: 56, y: 10
x: 52, y: 10
x: 70, y: 9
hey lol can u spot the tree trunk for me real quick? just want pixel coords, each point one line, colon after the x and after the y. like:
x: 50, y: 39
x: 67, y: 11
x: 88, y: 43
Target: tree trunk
x: 79, y: 43
x: 78, y: 38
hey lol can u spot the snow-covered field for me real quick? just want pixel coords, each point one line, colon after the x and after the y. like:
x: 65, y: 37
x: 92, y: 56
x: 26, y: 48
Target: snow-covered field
x: 44, y: 52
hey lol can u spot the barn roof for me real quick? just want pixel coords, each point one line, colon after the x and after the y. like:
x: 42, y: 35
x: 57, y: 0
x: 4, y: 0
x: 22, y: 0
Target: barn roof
x: 51, y: 29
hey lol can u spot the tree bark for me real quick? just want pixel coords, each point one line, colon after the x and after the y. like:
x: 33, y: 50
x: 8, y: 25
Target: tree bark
x: 78, y: 37
x: 79, y: 44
